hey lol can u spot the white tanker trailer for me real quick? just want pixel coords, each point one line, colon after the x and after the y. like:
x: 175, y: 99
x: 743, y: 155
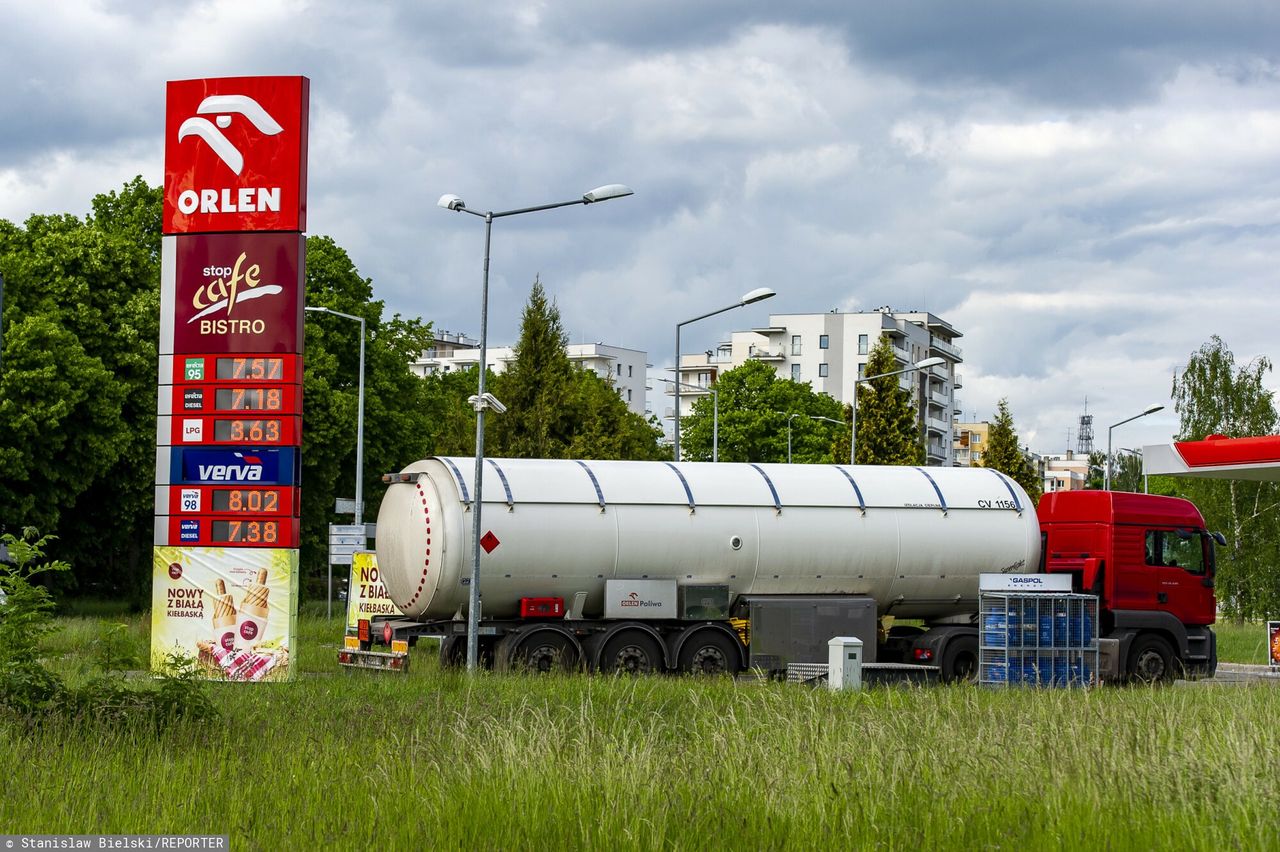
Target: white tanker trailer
x: 699, y: 567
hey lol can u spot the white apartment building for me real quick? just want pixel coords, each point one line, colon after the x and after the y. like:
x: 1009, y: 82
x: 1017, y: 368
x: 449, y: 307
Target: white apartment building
x: 829, y: 351
x: 628, y: 368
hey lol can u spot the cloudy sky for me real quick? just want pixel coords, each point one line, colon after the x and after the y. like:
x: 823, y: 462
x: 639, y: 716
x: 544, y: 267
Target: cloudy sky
x: 1086, y: 190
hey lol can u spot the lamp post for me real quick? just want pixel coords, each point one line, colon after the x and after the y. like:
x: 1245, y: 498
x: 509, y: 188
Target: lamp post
x: 757, y: 295
x: 359, y: 519
x: 715, y: 413
x: 1106, y: 479
x: 811, y: 417
x: 483, y: 400
x: 853, y: 403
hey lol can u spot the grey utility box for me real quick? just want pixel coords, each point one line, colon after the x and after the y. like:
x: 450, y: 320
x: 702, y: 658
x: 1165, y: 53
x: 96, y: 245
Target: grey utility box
x: 788, y: 629
x: 699, y: 603
x: 844, y: 663
x: 640, y: 599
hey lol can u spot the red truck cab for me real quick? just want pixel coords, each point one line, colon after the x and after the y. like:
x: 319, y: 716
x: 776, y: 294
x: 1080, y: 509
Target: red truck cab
x: 1150, y: 561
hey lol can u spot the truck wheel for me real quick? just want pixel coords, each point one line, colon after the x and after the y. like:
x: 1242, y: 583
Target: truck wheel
x: 544, y: 651
x: 1150, y: 660
x: 631, y: 652
x: 453, y: 652
x: 960, y: 660
x: 709, y: 653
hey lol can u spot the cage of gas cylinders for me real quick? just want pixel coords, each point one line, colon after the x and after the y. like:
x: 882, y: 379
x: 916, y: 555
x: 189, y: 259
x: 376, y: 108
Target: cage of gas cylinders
x: 1044, y: 637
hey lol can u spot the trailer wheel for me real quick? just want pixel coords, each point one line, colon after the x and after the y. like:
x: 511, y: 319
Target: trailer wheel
x: 631, y: 652
x: 1150, y: 660
x: 709, y: 653
x: 542, y: 652
x: 453, y: 652
x: 960, y: 660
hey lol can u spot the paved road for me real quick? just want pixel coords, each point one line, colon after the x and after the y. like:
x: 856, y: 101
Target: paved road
x: 1238, y: 674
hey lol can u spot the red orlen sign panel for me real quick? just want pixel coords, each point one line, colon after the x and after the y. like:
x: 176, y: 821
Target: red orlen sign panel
x: 235, y: 155
x: 238, y: 293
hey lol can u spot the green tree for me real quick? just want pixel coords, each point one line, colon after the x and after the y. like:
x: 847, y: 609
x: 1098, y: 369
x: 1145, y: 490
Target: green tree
x: 1214, y: 395
x: 396, y: 432
x: 1003, y: 454
x: 888, y: 428
x: 754, y: 408
x: 79, y: 433
x: 536, y: 388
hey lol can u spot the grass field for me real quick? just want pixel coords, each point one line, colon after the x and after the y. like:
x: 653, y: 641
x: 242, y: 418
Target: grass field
x: 435, y: 759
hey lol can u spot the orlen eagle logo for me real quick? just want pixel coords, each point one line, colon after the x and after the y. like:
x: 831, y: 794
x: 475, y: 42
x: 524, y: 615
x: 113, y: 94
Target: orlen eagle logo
x: 250, y: 470
x: 219, y: 106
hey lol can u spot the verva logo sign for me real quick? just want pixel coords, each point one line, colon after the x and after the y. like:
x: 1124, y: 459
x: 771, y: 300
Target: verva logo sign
x: 238, y: 293
x: 236, y: 155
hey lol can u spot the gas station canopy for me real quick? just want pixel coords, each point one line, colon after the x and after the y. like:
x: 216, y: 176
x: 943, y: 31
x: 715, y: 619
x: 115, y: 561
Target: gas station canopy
x: 1216, y: 457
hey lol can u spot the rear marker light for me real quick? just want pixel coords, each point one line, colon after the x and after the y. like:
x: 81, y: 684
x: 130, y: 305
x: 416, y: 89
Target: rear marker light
x: 387, y: 633
x: 922, y: 655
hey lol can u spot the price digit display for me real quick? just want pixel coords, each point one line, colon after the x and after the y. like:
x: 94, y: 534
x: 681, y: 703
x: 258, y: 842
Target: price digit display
x: 247, y: 399
x: 257, y: 369
x: 246, y: 532
x: 246, y: 500
x: 251, y: 431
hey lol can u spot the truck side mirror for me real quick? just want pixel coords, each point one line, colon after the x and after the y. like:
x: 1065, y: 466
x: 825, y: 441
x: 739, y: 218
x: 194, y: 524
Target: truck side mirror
x: 1219, y: 538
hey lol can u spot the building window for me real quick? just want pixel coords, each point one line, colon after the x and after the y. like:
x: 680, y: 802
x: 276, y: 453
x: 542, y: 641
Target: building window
x: 795, y: 372
x: 628, y: 394
x: 628, y: 371
x: 619, y: 369
x: 862, y: 345
x: 795, y: 344
x: 822, y: 370
x: 824, y: 341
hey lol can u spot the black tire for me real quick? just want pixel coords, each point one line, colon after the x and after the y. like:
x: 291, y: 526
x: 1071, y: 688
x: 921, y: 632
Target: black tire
x: 542, y: 652
x: 453, y: 652
x: 631, y: 652
x: 1151, y: 660
x: 710, y: 652
x: 960, y: 660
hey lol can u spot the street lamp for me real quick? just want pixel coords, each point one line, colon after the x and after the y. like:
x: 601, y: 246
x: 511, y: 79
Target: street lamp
x: 811, y: 417
x: 483, y: 400
x: 853, y: 403
x: 359, y: 519
x: 757, y: 295
x: 1106, y: 479
x: 715, y: 413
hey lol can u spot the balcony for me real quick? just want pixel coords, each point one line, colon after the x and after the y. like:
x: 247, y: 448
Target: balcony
x: 956, y: 381
x: 763, y: 354
x: 936, y: 451
x: 939, y: 426
x: 938, y: 346
x: 940, y: 399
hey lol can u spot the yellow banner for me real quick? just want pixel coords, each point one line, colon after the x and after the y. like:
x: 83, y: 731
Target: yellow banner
x: 366, y: 596
x: 233, y: 610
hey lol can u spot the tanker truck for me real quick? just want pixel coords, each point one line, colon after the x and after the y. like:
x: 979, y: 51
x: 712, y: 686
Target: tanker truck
x: 718, y: 567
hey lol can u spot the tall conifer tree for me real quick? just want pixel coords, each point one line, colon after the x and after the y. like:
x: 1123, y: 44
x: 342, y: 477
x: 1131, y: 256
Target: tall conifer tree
x: 888, y: 430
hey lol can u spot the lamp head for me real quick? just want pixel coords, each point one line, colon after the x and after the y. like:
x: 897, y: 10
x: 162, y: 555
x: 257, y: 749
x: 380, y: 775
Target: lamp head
x: 1153, y: 409
x: 604, y: 193
x: 451, y: 202
x: 757, y: 295
x: 930, y: 362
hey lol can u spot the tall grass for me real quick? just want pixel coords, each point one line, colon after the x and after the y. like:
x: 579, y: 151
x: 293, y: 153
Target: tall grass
x: 438, y: 759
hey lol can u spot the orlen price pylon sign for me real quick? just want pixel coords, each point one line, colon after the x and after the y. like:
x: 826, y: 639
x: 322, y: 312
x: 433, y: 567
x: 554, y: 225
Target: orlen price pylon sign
x: 229, y: 421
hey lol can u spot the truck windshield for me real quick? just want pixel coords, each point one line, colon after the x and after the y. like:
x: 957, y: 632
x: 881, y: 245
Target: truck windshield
x: 1181, y: 548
